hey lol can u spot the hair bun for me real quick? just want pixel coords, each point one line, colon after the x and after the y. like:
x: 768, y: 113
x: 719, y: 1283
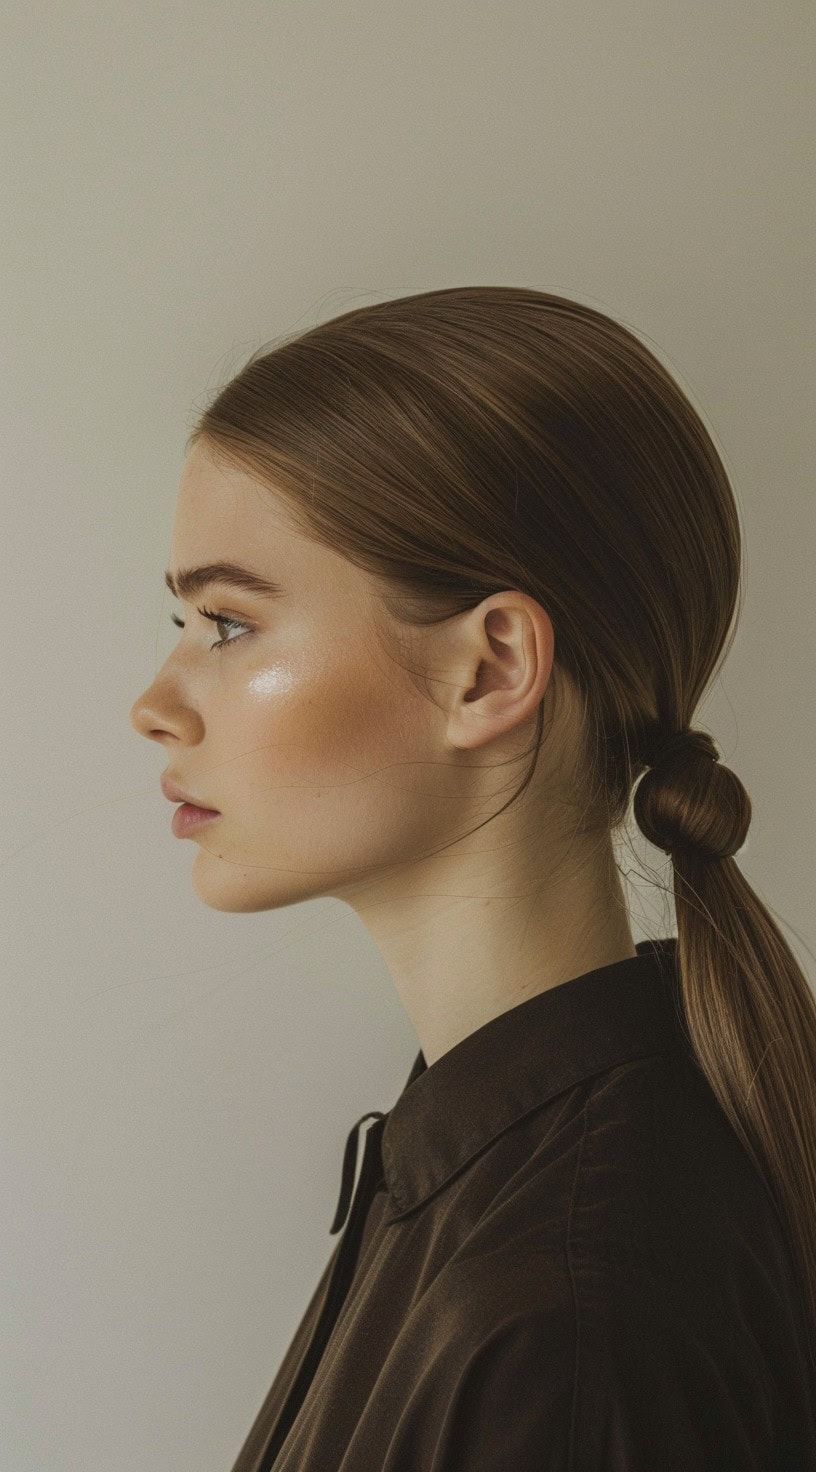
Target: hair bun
x: 686, y: 805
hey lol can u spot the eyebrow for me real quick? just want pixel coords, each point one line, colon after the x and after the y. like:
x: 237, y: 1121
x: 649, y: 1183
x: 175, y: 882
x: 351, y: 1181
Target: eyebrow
x: 189, y: 582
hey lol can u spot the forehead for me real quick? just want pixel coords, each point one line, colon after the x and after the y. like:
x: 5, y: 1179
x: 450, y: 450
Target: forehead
x: 214, y: 495
x: 224, y: 514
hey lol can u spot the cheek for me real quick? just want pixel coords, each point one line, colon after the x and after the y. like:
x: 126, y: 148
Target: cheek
x: 326, y: 774
x: 303, y: 729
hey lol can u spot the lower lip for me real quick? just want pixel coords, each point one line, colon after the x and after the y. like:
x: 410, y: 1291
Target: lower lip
x: 188, y: 817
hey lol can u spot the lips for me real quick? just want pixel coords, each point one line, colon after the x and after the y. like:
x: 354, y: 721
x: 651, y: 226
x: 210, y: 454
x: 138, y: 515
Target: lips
x: 177, y: 794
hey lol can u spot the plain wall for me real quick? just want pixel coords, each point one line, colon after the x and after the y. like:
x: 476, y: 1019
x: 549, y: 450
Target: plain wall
x: 180, y: 184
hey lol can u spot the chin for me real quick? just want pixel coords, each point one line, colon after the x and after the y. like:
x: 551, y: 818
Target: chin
x: 242, y: 891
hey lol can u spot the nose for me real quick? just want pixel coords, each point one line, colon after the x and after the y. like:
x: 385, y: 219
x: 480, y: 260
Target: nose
x: 146, y: 718
x: 137, y: 717
x: 161, y: 711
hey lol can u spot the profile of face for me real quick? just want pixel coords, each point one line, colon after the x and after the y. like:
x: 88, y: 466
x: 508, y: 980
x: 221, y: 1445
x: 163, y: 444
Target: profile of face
x: 330, y: 768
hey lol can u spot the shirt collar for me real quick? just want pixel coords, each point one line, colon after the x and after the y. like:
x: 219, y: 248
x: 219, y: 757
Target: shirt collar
x: 516, y: 1062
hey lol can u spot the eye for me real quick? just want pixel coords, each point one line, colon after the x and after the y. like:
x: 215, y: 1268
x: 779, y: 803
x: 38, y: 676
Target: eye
x: 218, y: 618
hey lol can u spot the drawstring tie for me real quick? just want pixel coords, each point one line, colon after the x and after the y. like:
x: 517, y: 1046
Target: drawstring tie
x: 350, y: 1163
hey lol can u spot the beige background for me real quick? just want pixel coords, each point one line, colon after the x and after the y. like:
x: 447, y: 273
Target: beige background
x: 179, y: 185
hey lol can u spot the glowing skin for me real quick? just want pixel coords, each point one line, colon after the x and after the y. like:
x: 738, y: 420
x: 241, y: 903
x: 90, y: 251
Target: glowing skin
x: 334, y: 772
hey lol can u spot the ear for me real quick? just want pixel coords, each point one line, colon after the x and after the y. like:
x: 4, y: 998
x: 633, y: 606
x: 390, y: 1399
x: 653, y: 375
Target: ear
x: 499, y: 661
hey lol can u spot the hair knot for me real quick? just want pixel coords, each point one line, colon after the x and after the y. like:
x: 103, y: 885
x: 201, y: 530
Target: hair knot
x: 685, y: 743
x: 685, y: 805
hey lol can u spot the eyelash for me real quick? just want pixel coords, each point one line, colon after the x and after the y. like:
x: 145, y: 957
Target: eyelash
x: 218, y: 618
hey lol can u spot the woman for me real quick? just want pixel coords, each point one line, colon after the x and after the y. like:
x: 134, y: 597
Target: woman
x: 482, y: 562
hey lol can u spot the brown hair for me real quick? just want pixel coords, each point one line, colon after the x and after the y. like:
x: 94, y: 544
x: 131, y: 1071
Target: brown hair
x: 459, y: 442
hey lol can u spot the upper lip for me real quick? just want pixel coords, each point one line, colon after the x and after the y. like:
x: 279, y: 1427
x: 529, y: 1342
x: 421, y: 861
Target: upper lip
x: 176, y: 794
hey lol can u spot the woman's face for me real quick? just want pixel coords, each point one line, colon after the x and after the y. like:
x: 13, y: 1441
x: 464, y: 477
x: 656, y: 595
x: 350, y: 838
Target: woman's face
x: 316, y: 748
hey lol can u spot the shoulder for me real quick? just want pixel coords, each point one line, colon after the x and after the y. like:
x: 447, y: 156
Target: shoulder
x: 664, y: 1182
x: 624, y: 1386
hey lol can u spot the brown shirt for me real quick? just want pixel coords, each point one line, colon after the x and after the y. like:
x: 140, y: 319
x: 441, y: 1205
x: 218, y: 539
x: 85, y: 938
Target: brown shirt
x: 558, y: 1258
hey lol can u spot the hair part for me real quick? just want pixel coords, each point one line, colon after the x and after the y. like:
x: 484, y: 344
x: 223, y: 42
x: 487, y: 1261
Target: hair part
x: 456, y: 443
